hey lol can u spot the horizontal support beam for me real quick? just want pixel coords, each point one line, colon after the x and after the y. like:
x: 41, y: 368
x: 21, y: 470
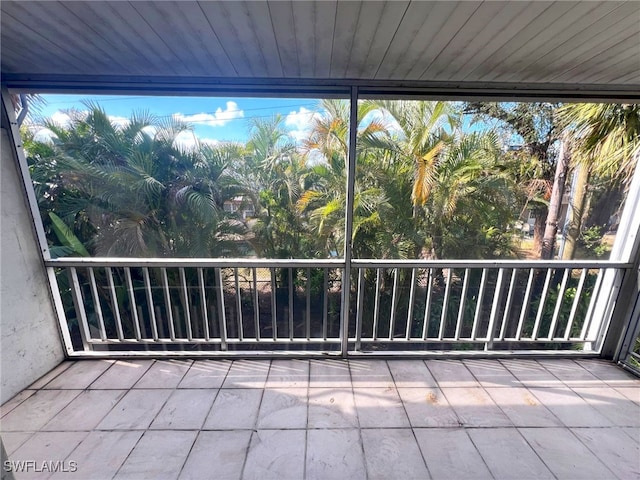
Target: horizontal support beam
x: 324, y: 263
x: 305, y: 87
x: 192, y: 262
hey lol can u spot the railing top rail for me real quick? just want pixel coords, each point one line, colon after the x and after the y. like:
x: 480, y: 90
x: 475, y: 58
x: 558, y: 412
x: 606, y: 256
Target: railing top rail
x: 494, y: 263
x: 325, y: 263
x: 193, y: 262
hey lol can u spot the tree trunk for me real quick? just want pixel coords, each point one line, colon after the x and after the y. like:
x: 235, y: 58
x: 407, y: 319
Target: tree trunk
x: 555, y: 203
x: 540, y: 216
x: 577, y: 204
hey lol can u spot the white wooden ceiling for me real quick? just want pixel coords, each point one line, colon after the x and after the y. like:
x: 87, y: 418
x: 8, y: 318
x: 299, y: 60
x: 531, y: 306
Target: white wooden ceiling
x: 533, y: 42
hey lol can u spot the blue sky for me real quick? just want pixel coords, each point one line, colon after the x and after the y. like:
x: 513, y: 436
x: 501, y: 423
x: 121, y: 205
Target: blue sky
x: 213, y: 118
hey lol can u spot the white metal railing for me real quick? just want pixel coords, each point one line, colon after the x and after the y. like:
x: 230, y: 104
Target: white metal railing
x: 172, y: 306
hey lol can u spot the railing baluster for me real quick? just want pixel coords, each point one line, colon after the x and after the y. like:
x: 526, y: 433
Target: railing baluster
x: 203, y: 304
x: 412, y: 294
x: 256, y: 304
x: 398, y: 282
x: 495, y: 307
x: 238, y: 305
x: 325, y: 302
x: 187, y: 309
x: 308, y: 304
x: 115, y: 305
x: 576, y: 303
x: 543, y: 300
x: 96, y: 303
x: 290, y: 277
x: 274, y: 324
x: 427, y: 305
x: 152, y: 313
x: 476, y: 317
x: 222, y: 319
x: 167, y: 303
x: 508, y: 305
x: 376, y: 306
x: 394, y: 303
x: 83, y: 324
x: 134, y: 306
x: 463, y: 299
x: 525, y: 304
x: 445, y: 304
x: 359, y: 306
x: 592, y: 302
x: 556, y: 310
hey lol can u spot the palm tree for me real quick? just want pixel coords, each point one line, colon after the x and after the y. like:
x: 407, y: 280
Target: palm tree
x: 537, y: 126
x: 324, y: 199
x: 131, y: 191
x: 604, y: 138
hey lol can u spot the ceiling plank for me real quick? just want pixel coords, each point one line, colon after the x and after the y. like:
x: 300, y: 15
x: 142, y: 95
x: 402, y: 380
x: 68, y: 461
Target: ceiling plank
x: 585, y: 16
x: 605, y: 59
x: 456, y: 21
x: 260, y: 21
x: 419, y: 26
x: 128, y: 33
x: 66, y: 29
x: 345, y: 30
x: 495, y: 64
x: 232, y: 27
x: 305, y: 35
x: 382, y: 35
x: 614, y: 67
x: 604, y: 34
x: 502, y: 36
x: 20, y: 37
x: 284, y: 29
x: 590, y: 47
x: 492, y: 42
x: 106, y: 25
x: 324, y: 30
x: 191, y: 37
x: 494, y: 14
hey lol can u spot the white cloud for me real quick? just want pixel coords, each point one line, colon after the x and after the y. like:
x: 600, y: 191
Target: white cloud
x: 60, y: 118
x: 301, y: 122
x: 44, y: 135
x: 188, y: 141
x: 119, y: 121
x: 150, y: 130
x: 218, y: 119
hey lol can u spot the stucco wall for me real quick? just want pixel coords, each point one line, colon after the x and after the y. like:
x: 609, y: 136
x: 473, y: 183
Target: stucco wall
x: 29, y: 340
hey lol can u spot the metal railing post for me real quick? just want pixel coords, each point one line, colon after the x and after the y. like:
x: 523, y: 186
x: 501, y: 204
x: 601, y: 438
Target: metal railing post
x: 348, y: 223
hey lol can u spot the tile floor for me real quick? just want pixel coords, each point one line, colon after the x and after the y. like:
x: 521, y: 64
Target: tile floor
x: 327, y: 419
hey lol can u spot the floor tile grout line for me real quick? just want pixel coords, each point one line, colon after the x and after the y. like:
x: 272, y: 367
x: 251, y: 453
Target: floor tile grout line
x: 78, y: 396
x: 71, y: 363
x: 306, y: 424
x: 153, y: 362
x: 359, y: 426
x: 115, y: 474
x: 424, y: 460
x: 602, y: 413
x: 536, y: 452
x: 146, y: 429
x: 254, y: 430
x: 594, y: 453
x: 110, y: 367
x: 105, y: 371
x: 486, y: 464
x: 186, y: 457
